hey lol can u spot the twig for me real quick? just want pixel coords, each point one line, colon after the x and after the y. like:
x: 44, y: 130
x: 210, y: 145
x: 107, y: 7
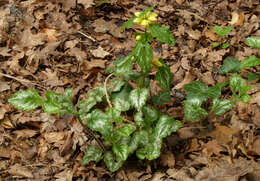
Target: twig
x: 21, y: 80
x: 87, y: 36
x: 105, y: 87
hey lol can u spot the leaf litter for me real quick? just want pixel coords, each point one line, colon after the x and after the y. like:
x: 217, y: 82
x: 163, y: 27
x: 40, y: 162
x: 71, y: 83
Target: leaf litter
x: 48, y: 50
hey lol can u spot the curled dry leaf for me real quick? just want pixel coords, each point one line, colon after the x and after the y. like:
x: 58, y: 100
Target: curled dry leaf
x: 237, y: 19
x: 99, y: 52
x: 211, y: 34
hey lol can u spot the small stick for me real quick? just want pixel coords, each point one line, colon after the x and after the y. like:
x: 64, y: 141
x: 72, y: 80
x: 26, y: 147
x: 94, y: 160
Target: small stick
x: 89, y: 37
x: 20, y: 80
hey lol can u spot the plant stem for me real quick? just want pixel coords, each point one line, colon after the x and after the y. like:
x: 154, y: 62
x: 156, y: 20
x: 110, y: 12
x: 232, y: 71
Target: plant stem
x: 105, y: 87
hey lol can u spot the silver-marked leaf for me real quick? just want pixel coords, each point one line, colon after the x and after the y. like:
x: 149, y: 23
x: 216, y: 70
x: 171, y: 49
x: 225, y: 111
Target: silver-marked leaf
x: 26, y: 100
x: 122, y: 151
x: 253, y: 41
x: 112, y: 162
x: 231, y: 65
x: 138, y: 97
x: 221, y: 106
x: 99, y: 122
x: 215, y: 91
x: 123, y: 66
x: 150, y: 114
x: 165, y: 126
x: 140, y: 138
x: 162, y: 97
x: 85, y: 106
x: 164, y: 77
x: 143, y: 52
x: 126, y: 130
x: 251, y: 61
x: 115, y: 85
x: 193, y: 110
x: 138, y: 118
x: 162, y: 33
x: 93, y: 153
x: 121, y: 104
x: 196, y: 90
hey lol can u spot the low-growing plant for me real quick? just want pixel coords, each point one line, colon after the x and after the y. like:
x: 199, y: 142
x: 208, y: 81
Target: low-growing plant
x: 221, y: 33
x: 197, y: 92
x: 126, y: 117
x: 122, y: 112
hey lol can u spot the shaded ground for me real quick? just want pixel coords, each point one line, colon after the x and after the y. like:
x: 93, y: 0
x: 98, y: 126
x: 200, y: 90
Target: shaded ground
x: 59, y: 44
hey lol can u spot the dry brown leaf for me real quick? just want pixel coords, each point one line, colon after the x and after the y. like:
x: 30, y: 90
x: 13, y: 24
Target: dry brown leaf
x: 53, y: 137
x: 212, y: 147
x: 51, y: 34
x: 31, y: 40
x: 99, y: 52
x: 86, y: 3
x: 167, y: 159
x: 25, y: 133
x: 187, y: 79
x: 207, y: 78
x: 101, y: 26
x: 211, y: 34
x: 224, y: 134
x: 19, y: 170
x: 5, y: 152
x: 194, y: 34
x: 95, y: 63
x: 237, y: 19
x: 52, y: 78
x: 3, y: 110
x: 6, y: 123
x: 65, y: 175
x: 180, y: 1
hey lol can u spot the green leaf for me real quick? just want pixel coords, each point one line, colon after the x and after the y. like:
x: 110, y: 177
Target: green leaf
x: 231, y: 65
x: 164, y: 77
x: 151, y: 151
x: 51, y: 105
x: 85, y: 106
x: 122, y: 151
x: 124, y: 66
x: 221, y: 106
x: 138, y: 97
x: 162, y: 97
x: 93, y: 153
x: 196, y: 90
x: 225, y: 45
x: 122, y: 94
x: 251, y: 61
x: 222, y: 31
x: 165, y: 126
x: 253, y: 76
x: 113, y: 163
x: 98, y: 93
x: 238, y: 85
x: 138, y: 118
x: 121, y: 104
x: 150, y: 114
x: 215, y: 44
x: 143, y: 52
x: 68, y: 93
x: 253, y: 41
x: 128, y: 24
x: 162, y: 33
x: 58, y: 103
x: 140, y: 138
x: 26, y: 100
x: 99, y: 122
x: 115, y: 85
x: 114, y: 114
x: 193, y: 111
x: 215, y: 91
x: 126, y: 130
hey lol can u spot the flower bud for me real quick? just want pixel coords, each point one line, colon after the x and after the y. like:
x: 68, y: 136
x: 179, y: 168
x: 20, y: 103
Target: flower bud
x: 138, y: 37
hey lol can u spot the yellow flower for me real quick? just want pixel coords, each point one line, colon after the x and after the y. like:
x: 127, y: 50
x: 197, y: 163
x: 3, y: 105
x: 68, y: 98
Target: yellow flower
x: 157, y: 62
x: 146, y: 19
x: 152, y: 17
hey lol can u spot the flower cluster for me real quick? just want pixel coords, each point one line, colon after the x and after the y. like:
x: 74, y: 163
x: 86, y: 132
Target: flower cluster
x: 146, y: 19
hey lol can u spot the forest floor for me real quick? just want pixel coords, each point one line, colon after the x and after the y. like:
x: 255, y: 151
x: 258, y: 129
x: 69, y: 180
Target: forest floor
x: 58, y: 44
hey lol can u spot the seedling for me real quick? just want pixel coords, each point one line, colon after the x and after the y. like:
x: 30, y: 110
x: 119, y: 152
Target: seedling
x: 198, y: 93
x: 222, y: 32
x: 128, y: 122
